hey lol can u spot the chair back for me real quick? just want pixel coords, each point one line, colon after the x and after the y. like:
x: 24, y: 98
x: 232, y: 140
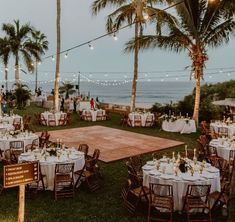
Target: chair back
x: 83, y: 148
x: 198, y: 191
x: 64, y: 169
x: 136, y: 163
x: 51, y: 117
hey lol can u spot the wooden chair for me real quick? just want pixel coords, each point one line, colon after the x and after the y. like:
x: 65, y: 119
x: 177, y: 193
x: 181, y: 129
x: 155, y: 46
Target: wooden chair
x: 64, y: 181
x: 90, y: 173
x: 157, y: 121
x: 137, y: 121
x: 125, y: 121
x: 43, y: 121
x: 63, y: 119
x: 136, y: 163
x: 36, y: 186
x: 161, y: 200
x: 16, y: 148
x: 26, y: 122
x: 87, y: 116
x: 33, y: 146
x: 69, y: 117
x: 136, y: 193
x: 84, y: 148
x: 17, y: 123
x: 222, y: 198
x: 51, y: 120
x: 196, y: 203
x: 107, y: 115
x: 149, y: 121
x: 223, y: 131
x: 100, y: 115
x: 213, y: 157
x: 44, y: 139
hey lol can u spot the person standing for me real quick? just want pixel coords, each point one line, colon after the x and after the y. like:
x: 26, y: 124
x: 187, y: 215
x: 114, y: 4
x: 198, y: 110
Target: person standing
x: 92, y: 103
x: 97, y: 102
x: 62, y: 104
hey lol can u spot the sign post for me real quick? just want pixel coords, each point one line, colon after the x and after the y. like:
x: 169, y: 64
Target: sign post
x: 19, y: 175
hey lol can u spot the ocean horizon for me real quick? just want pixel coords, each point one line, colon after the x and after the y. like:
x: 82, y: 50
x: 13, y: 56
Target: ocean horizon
x: 148, y: 93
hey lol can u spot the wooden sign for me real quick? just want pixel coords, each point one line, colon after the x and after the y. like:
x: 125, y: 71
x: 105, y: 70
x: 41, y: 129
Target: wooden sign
x: 18, y: 174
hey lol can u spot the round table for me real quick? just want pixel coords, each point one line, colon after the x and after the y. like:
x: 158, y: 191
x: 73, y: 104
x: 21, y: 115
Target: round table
x: 223, y: 147
x: 179, y: 125
x: 94, y: 113
x: 10, y: 119
x: 142, y: 116
x: 6, y: 127
x: 215, y: 127
x: 210, y: 175
x: 27, y: 138
x: 56, y: 115
x: 48, y: 164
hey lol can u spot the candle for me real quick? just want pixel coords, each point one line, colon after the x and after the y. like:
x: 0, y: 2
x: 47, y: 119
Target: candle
x: 186, y: 114
x: 173, y: 113
x: 194, y: 152
x: 169, y: 112
x: 173, y: 155
x: 180, y: 114
x: 186, y: 151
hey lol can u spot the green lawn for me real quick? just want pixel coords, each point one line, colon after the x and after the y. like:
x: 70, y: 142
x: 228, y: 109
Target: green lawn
x: 104, y: 205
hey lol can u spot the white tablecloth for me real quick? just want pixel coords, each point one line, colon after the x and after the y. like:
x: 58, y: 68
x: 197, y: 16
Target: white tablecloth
x: 143, y: 117
x: 180, y: 182
x: 5, y: 140
x: 57, y: 116
x: 215, y: 127
x: 179, y: 125
x: 48, y: 166
x: 10, y: 119
x: 6, y: 127
x: 223, y: 147
x: 94, y: 113
x: 84, y: 105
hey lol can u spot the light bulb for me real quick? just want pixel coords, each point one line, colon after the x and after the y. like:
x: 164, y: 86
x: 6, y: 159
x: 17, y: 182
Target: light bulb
x: 66, y: 55
x: 115, y: 37
x: 91, y: 47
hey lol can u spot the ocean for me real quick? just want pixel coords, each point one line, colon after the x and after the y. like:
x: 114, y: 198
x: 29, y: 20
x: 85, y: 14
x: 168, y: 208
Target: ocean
x: 148, y: 93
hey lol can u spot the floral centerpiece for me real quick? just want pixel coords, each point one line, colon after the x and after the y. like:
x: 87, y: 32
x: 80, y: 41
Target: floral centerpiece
x: 14, y: 133
x: 183, y: 166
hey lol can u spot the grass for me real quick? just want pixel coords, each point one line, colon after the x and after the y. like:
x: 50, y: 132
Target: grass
x: 105, y: 205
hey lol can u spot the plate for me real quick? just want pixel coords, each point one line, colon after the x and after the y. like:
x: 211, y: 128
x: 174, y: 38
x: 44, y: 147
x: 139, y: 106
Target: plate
x: 150, y: 163
x: 154, y: 173
x: 25, y: 154
x: 167, y: 177
x: 213, y: 170
x: 189, y: 178
x: 147, y: 167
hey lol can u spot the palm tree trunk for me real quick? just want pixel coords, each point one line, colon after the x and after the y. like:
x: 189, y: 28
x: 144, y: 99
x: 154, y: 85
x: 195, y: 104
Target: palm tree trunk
x: 57, y: 72
x: 6, y: 78
x: 135, y: 77
x: 197, y: 98
x: 17, y: 71
x: 36, y: 76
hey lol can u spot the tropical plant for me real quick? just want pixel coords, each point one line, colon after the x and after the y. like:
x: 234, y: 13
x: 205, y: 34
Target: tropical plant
x: 21, y: 94
x: 41, y: 40
x: 5, y: 51
x: 67, y: 88
x: 199, y: 24
x: 135, y: 12
x: 58, y: 43
x: 21, y: 45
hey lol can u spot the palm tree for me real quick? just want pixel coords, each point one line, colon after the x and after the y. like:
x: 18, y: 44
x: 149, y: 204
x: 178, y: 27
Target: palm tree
x: 41, y: 40
x: 67, y: 88
x: 130, y: 12
x: 198, y: 25
x: 5, y: 54
x: 21, y: 94
x: 57, y: 71
x: 21, y: 45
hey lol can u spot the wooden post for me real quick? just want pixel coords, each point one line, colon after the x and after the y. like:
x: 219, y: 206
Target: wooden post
x: 21, y: 203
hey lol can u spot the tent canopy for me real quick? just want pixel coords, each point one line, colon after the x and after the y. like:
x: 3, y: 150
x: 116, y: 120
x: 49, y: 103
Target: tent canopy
x: 225, y: 102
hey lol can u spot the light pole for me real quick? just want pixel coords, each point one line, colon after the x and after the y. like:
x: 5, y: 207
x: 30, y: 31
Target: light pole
x: 78, y: 86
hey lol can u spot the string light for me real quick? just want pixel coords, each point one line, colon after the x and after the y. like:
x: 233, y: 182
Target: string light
x: 66, y: 55
x: 91, y: 46
x: 52, y: 58
x: 115, y: 37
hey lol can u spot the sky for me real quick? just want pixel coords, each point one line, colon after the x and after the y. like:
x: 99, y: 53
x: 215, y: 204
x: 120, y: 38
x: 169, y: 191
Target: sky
x: 79, y: 26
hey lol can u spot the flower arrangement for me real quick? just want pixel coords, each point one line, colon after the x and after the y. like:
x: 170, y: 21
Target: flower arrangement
x: 171, y: 118
x: 14, y: 133
x: 183, y: 166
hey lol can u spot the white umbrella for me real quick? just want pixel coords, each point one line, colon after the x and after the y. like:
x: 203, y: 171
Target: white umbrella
x: 225, y: 102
